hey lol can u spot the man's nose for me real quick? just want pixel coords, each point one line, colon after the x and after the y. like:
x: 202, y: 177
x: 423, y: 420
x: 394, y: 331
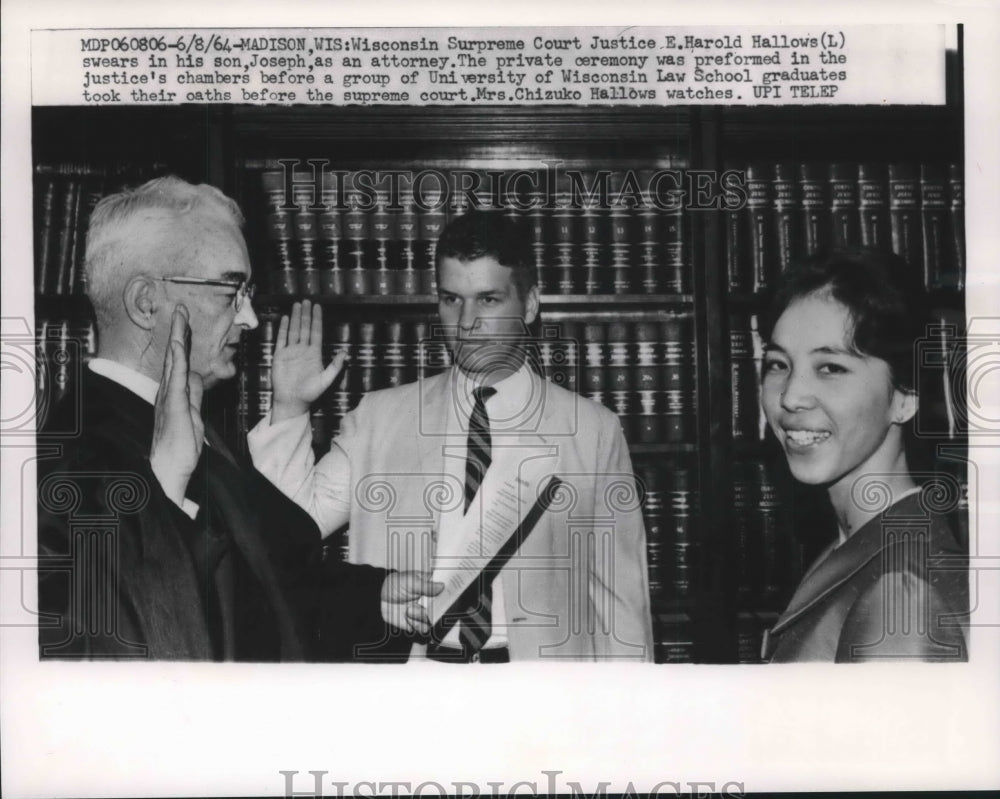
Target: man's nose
x: 468, y: 318
x: 246, y: 317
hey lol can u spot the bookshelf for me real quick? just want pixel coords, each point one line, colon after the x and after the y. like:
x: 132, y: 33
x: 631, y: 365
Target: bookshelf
x: 652, y: 324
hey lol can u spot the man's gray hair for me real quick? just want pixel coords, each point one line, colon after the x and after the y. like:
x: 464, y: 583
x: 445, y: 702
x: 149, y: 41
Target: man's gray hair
x: 124, y: 238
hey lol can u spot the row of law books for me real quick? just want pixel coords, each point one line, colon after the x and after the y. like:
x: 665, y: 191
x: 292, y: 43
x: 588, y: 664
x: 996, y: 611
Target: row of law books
x: 795, y: 210
x: 644, y: 371
x: 342, y: 240
x: 65, y: 195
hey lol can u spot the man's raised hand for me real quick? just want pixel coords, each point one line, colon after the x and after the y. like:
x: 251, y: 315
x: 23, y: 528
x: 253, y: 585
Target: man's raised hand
x: 178, y: 429
x: 298, y: 377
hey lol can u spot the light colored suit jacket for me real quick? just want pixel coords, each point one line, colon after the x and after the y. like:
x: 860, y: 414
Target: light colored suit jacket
x: 577, y: 588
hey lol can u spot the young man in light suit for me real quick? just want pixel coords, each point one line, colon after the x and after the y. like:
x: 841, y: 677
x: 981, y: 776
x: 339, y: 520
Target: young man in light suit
x: 576, y: 587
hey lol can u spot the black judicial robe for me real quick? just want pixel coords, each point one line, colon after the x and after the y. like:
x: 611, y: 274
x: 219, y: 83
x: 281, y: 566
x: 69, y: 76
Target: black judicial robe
x: 124, y: 572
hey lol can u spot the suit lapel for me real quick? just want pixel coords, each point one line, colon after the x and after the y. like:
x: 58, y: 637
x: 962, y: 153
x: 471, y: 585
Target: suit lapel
x: 831, y: 571
x: 430, y: 433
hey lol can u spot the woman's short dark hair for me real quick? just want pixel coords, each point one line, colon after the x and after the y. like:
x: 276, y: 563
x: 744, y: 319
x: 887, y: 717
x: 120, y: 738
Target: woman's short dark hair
x: 884, y: 295
x: 478, y: 234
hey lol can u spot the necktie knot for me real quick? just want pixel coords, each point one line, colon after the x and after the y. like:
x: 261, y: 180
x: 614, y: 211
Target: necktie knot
x: 483, y: 393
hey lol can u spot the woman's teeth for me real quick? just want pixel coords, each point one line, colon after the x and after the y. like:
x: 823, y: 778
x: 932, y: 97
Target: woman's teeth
x: 803, y: 438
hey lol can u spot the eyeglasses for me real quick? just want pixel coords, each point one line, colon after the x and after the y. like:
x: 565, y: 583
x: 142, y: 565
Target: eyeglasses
x: 244, y: 288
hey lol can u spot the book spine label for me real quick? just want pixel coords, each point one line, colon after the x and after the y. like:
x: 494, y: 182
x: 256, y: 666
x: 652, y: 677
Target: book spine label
x: 904, y: 214
x: 786, y: 211
x: 873, y: 207
x: 934, y: 224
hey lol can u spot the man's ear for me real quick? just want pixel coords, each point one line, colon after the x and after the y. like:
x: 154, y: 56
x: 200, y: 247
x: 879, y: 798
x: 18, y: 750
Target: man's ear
x: 904, y: 405
x: 531, y: 305
x: 141, y: 298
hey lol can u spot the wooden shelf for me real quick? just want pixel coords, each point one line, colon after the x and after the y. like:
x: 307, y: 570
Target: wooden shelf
x: 663, y: 449
x: 548, y: 300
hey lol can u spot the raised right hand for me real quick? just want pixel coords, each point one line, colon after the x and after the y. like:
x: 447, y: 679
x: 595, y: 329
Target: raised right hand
x: 298, y: 377
x: 178, y: 429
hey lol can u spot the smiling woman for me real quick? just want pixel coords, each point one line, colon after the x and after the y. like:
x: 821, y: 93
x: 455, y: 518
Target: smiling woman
x: 840, y: 392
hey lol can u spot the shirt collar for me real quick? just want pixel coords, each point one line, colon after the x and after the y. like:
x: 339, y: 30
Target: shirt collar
x: 135, y: 382
x: 509, y: 402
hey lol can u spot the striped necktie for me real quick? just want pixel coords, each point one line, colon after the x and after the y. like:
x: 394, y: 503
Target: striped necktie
x: 477, y: 458
x: 476, y: 626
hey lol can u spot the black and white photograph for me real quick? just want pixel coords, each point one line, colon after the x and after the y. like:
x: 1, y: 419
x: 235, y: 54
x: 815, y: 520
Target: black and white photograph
x: 500, y: 404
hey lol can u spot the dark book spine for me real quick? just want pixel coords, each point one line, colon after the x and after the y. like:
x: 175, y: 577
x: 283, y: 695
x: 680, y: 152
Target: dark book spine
x: 673, y: 638
x: 648, y: 375
x: 563, y: 236
x: 278, y: 220
x: 385, y: 238
x: 904, y: 213
x: 340, y: 339
x: 263, y: 390
x: 433, y: 217
x: 360, y: 252
x: 743, y: 381
x: 243, y: 395
x: 433, y: 357
x: 654, y: 274
x: 42, y: 367
x: 59, y: 355
x: 93, y: 191
x: 560, y: 355
x: 784, y: 191
x: 956, y: 210
x: 676, y: 267
x: 618, y: 379
x: 650, y: 480
x: 65, y: 255
x: 682, y: 500
x: 873, y: 207
x: 595, y: 362
x: 758, y: 215
x: 813, y: 210
x: 737, y: 278
x: 678, y: 386
x: 305, y: 225
x: 538, y: 224
x: 592, y: 250
x: 844, y: 205
x: 621, y: 222
x: 934, y: 224
x: 745, y: 546
x: 773, y: 534
x: 395, y: 349
x: 45, y: 223
x: 408, y: 226
x: 365, y: 359
x: 330, y: 232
